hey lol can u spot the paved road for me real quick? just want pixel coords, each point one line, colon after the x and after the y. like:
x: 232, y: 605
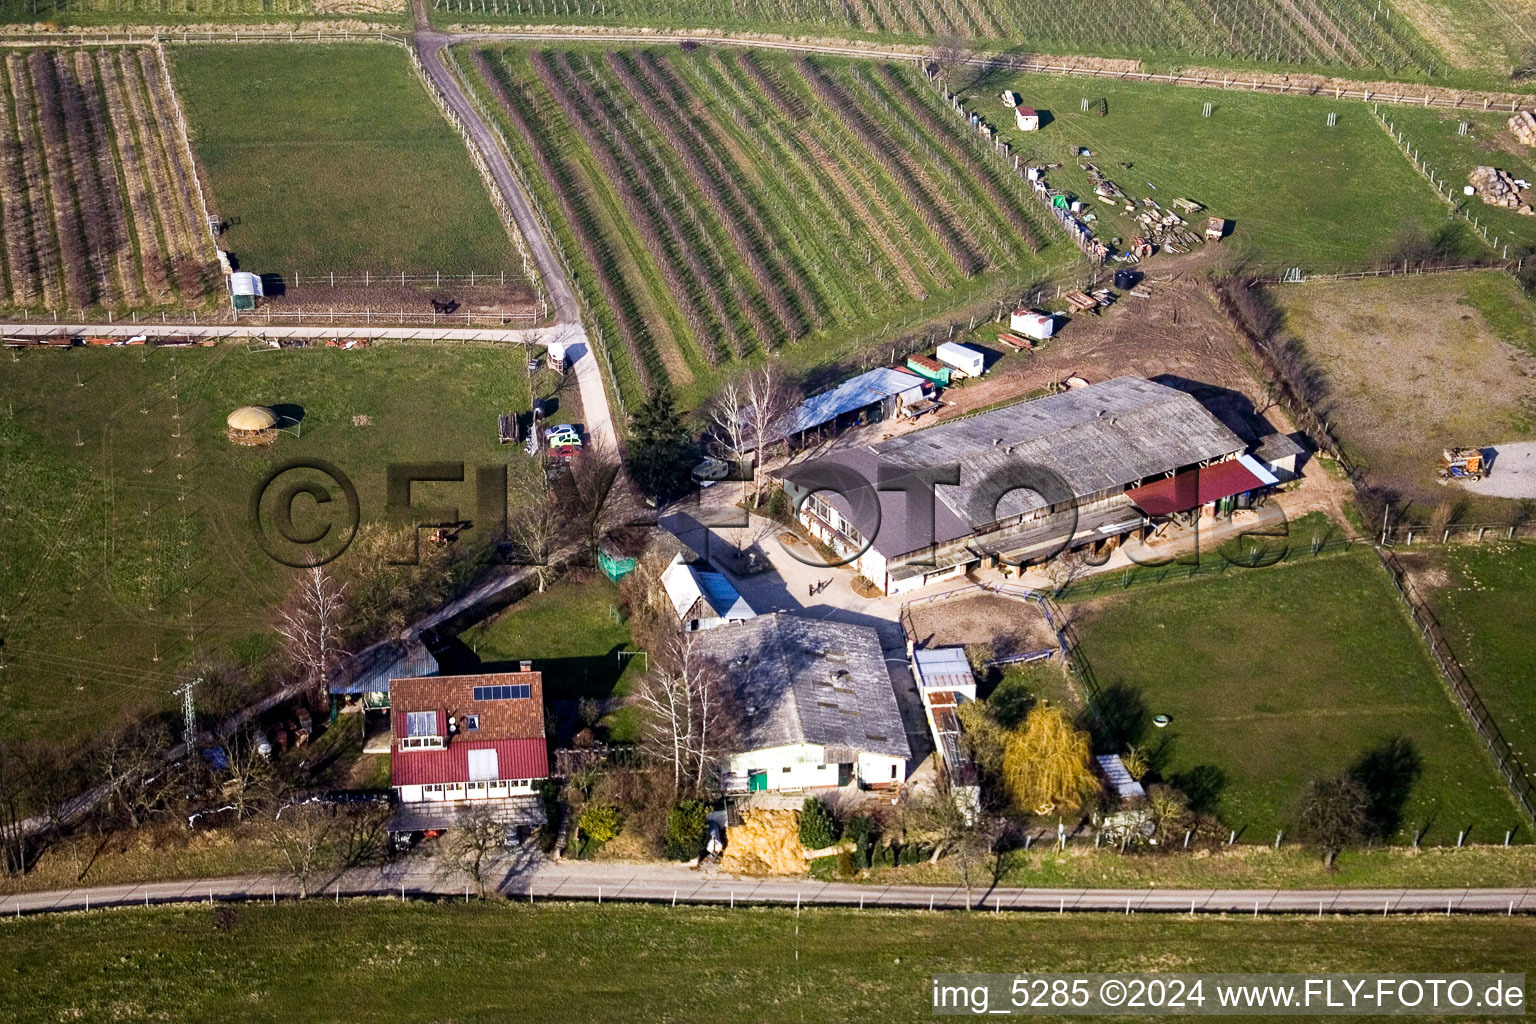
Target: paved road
x: 1512, y: 472
x: 675, y: 883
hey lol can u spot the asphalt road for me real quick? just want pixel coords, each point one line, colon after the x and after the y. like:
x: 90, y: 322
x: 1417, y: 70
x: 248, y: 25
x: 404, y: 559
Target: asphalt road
x: 663, y: 883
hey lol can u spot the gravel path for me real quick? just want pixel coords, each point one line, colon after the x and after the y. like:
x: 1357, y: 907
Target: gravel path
x: 1513, y: 472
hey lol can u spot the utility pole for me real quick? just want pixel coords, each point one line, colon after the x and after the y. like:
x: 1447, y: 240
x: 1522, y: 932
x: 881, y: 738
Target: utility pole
x: 188, y: 716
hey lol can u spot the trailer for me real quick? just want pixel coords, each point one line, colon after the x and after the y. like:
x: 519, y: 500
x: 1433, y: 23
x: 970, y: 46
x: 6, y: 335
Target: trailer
x: 968, y: 361
x: 1031, y: 324
x: 1465, y: 463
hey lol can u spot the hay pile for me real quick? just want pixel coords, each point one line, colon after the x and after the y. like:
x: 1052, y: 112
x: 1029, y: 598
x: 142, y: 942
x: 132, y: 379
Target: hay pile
x: 1523, y: 125
x: 1498, y: 188
x: 767, y: 842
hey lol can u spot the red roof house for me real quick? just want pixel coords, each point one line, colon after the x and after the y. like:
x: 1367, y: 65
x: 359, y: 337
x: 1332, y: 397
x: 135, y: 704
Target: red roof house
x: 466, y: 738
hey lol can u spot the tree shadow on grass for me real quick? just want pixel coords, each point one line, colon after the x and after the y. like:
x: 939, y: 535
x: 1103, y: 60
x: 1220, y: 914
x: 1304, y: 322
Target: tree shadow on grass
x: 1388, y: 773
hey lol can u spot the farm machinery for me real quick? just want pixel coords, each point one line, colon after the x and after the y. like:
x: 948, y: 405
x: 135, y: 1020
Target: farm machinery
x: 1462, y: 464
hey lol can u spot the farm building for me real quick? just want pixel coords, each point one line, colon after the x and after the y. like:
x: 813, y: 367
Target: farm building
x: 701, y: 598
x: 1027, y: 119
x: 1107, y: 458
x: 816, y: 704
x: 944, y: 682
x: 1027, y: 322
x: 966, y: 361
x: 879, y: 394
x: 244, y: 290
x: 470, y: 740
x: 251, y: 425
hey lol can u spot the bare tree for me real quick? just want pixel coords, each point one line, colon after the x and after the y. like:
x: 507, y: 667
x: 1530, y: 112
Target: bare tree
x: 474, y: 844
x: 765, y: 398
x: 311, y: 625
x: 728, y: 416
x: 689, y: 713
x: 599, y: 500
x: 946, y: 57
x: 303, y: 833
x: 249, y: 779
x: 947, y: 819
x: 534, y: 524
x: 129, y: 764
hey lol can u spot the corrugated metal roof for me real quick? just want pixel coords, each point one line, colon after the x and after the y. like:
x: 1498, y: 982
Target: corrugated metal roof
x: 1115, y: 774
x: 1096, y: 438
x: 1194, y: 488
x: 802, y: 680
x: 943, y: 667
x: 373, y: 669
x: 516, y: 759
x: 685, y: 585
x: 854, y: 393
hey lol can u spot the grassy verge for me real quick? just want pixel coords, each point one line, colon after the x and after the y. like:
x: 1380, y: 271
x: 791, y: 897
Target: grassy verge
x: 1277, y: 676
x: 333, y: 158
x: 390, y: 962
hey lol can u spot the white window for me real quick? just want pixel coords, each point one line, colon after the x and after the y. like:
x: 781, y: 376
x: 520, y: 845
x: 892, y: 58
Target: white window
x: 421, y: 723
x: 482, y: 765
x: 471, y: 722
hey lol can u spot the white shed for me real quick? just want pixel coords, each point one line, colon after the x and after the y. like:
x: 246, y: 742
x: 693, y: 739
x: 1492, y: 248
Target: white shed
x: 962, y: 357
x: 556, y: 352
x: 244, y: 289
x: 1027, y: 119
x: 1027, y: 322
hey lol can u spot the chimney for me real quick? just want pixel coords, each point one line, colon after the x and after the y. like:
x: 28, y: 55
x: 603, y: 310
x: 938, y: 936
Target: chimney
x: 525, y: 666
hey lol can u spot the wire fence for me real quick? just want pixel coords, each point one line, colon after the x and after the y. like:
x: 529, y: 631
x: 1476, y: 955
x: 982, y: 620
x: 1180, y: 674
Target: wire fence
x: 1141, y: 576
x: 1305, y: 416
x: 383, y: 318
x: 389, y: 279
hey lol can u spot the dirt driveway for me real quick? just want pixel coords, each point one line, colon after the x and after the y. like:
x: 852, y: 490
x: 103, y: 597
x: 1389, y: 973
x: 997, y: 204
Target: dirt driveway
x: 1512, y: 472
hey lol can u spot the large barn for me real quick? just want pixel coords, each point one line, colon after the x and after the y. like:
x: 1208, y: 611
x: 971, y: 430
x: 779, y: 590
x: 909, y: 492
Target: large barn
x: 1106, y: 459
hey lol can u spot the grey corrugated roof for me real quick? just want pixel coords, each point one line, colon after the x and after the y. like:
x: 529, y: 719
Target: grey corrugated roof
x: 802, y: 680
x: 854, y: 393
x: 1096, y: 438
x: 943, y: 668
x: 373, y: 669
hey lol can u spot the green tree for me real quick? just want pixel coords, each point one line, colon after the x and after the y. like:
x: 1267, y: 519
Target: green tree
x: 661, y: 451
x: 818, y: 829
x: 687, y: 824
x: 1045, y: 764
x: 1334, y: 814
x: 598, y: 823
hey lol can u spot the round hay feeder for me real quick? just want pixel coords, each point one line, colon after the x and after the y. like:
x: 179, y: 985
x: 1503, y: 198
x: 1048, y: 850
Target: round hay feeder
x: 251, y: 425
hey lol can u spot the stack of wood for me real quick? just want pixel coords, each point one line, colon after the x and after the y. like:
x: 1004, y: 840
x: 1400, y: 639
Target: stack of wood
x: 1498, y: 188
x: 1523, y: 125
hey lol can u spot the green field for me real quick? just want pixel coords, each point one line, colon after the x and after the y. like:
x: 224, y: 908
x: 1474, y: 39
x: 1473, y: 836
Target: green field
x: 125, y: 534
x: 1277, y: 676
x: 571, y: 633
x: 1435, y: 134
x: 334, y: 159
x: 1290, y: 185
x: 1486, y: 602
x: 380, y: 961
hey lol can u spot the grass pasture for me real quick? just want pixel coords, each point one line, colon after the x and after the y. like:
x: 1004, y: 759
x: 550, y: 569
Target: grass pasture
x: 124, y: 539
x: 1414, y: 364
x: 619, y: 962
x: 333, y: 158
x: 1290, y: 185
x: 1277, y: 676
x: 1485, y: 599
x: 98, y: 204
x: 1435, y: 134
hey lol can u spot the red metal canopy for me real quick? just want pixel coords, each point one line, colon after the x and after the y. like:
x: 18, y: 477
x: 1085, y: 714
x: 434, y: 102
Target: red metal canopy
x: 1194, y: 488
x: 516, y: 759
